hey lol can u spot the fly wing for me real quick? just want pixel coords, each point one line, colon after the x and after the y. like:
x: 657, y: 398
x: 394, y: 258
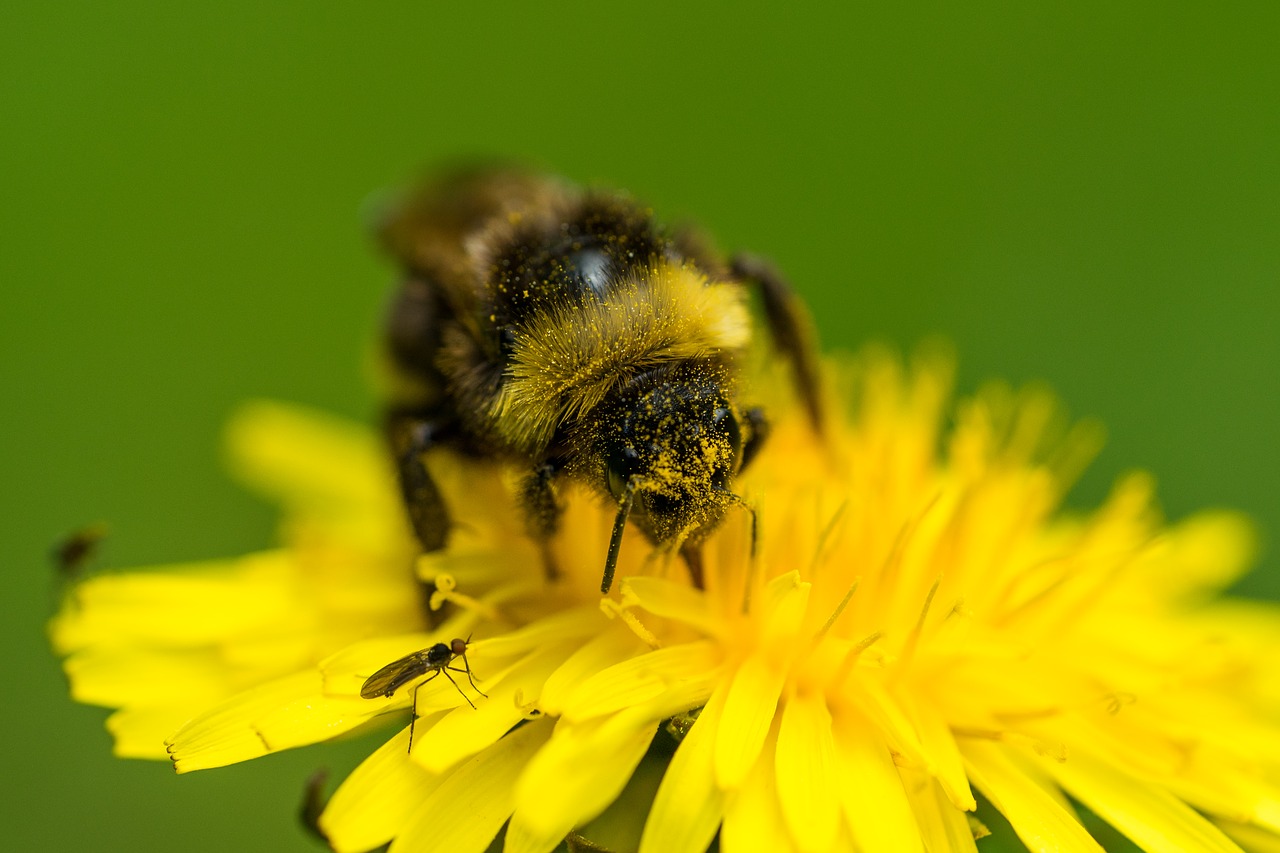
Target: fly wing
x: 395, y: 675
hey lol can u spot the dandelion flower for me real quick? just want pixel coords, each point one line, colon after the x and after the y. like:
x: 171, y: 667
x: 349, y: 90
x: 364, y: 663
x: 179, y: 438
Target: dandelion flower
x: 908, y: 624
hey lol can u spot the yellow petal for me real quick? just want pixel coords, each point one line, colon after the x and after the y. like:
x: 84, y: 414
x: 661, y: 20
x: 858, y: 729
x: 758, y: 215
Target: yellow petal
x: 749, y: 707
x: 1205, y: 552
x: 889, y: 717
x: 301, y: 454
x: 467, y: 808
x: 574, y: 777
x: 783, y: 604
x: 1225, y: 783
x: 572, y: 625
x: 1147, y: 813
x: 643, y: 678
x: 940, y: 750
x: 618, y: 828
x: 672, y: 600
x: 942, y: 825
x: 115, y: 676
x: 752, y: 816
x: 312, y: 718
x: 807, y: 786
x: 1148, y: 751
x: 871, y: 790
x: 181, y: 606
x: 141, y: 732
x: 1255, y: 839
x: 611, y: 646
x: 689, y: 805
x: 290, y: 710
x: 376, y: 801
x: 1037, y: 818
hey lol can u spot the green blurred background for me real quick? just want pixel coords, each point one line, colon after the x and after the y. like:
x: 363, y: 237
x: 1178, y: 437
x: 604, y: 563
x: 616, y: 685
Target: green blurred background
x: 1081, y: 193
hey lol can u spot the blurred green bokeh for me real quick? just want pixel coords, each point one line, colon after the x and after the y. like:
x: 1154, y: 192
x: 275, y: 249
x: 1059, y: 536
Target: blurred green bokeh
x: 1071, y: 192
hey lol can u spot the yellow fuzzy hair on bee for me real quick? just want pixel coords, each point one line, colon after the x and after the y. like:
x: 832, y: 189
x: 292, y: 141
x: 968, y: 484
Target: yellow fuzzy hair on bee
x: 566, y: 360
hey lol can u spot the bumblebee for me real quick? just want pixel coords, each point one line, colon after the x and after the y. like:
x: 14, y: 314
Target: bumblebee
x: 564, y: 331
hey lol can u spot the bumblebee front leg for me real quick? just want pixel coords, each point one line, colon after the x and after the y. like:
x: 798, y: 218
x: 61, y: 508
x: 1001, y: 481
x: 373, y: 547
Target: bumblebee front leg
x: 411, y: 435
x: 790, y: 326
x: 542, y: 511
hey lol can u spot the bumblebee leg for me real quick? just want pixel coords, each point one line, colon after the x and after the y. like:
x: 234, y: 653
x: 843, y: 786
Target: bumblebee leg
x: 542, y: 511
x: 789, y: 324
x: 414, y: 319
x: 411, y: 436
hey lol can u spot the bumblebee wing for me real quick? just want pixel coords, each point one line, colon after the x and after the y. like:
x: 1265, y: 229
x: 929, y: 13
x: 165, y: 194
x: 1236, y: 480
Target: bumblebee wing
x: 439, y: 231
x: 394, y: 675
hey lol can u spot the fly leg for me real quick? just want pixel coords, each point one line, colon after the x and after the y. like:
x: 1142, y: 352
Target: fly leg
x: 467, y: 669
x: 445, y: 670
x: 467, y: 673
x: 413, y: 706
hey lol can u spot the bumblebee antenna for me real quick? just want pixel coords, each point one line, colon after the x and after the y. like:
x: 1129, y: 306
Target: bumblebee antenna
x: 615, y: 540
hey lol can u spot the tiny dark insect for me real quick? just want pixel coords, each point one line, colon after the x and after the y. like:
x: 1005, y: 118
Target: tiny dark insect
x: 435, y: 660
x: 72, y: 553
x: 313, y: 802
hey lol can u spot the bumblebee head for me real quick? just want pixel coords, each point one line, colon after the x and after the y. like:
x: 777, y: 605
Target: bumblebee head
x: 670, y: 446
